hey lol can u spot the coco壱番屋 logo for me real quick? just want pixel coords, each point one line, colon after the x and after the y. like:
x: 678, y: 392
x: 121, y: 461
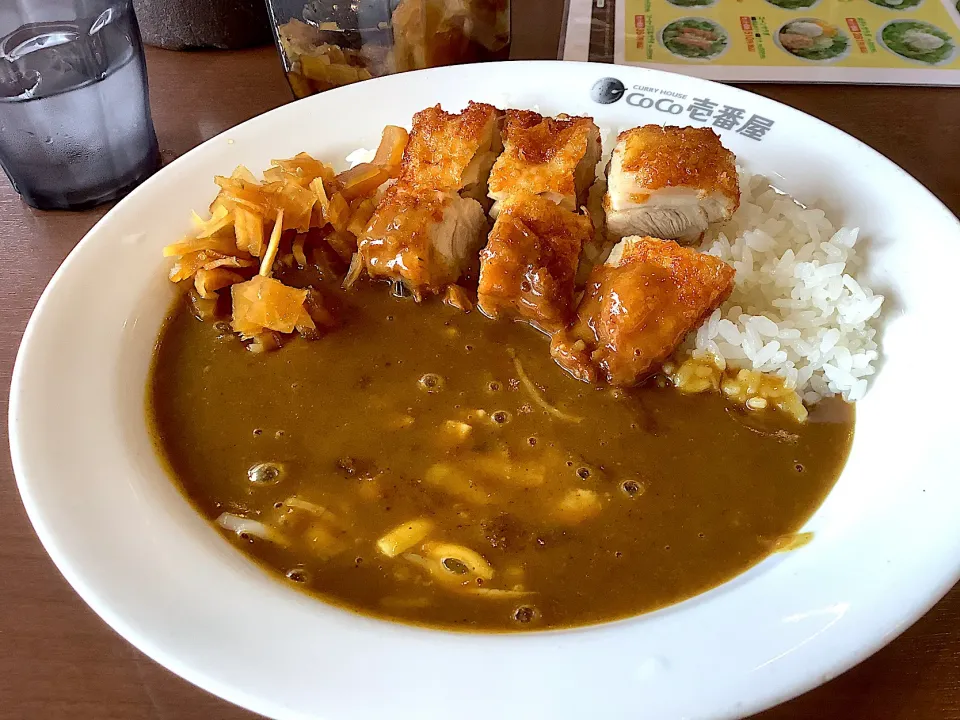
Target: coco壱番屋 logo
x: 607, y: 90
x: 684, y: 107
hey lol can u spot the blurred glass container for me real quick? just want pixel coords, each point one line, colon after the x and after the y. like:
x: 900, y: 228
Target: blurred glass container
x: 75, y: 125
x: 328, y: 43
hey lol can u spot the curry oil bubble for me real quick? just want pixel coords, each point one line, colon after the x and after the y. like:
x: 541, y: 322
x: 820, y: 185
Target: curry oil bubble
x: 633, y: 488
x: 525, y: 614
x: 298, y: 575
x: 455, y: 566
x: 431, y: 383
x: 266, y: 473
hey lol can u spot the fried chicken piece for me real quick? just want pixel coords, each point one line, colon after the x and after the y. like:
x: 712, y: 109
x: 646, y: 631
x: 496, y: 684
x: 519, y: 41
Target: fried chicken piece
x: 425, y: 238
x: 638, y: 307
x: 452, y: 152
x: 528, y: 267
x: 553, y: 157
x: 670, y: 182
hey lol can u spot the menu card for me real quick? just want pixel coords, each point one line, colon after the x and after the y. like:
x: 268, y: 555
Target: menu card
x: 909, y: 42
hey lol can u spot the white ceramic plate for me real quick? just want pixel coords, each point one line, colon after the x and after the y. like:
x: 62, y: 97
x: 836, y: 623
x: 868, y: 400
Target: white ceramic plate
x: 887, y: 540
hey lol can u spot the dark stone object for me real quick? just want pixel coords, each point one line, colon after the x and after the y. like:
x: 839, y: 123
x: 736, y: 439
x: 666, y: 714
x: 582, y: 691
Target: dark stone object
x: 196, y: 24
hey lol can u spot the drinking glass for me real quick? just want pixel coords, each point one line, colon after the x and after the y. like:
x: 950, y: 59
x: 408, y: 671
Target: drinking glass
x: 75, y: 125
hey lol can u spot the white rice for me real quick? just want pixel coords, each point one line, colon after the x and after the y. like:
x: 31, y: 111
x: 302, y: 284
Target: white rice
x: 798, y: 309
x: 360, y: 155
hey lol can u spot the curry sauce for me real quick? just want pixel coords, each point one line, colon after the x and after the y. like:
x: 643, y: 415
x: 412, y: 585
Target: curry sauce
x: 436, y: 467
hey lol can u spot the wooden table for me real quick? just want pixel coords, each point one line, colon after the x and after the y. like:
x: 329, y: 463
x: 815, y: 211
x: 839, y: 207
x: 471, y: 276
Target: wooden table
x: 59, y: 660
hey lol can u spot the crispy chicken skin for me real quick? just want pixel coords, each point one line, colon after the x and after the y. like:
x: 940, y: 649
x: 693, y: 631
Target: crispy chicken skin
x: 426, y: 238
x: 528, y: 267
x: 638, y: 307
x: 669, y: 182
x: 553, y: 157
x: 452, y: 152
